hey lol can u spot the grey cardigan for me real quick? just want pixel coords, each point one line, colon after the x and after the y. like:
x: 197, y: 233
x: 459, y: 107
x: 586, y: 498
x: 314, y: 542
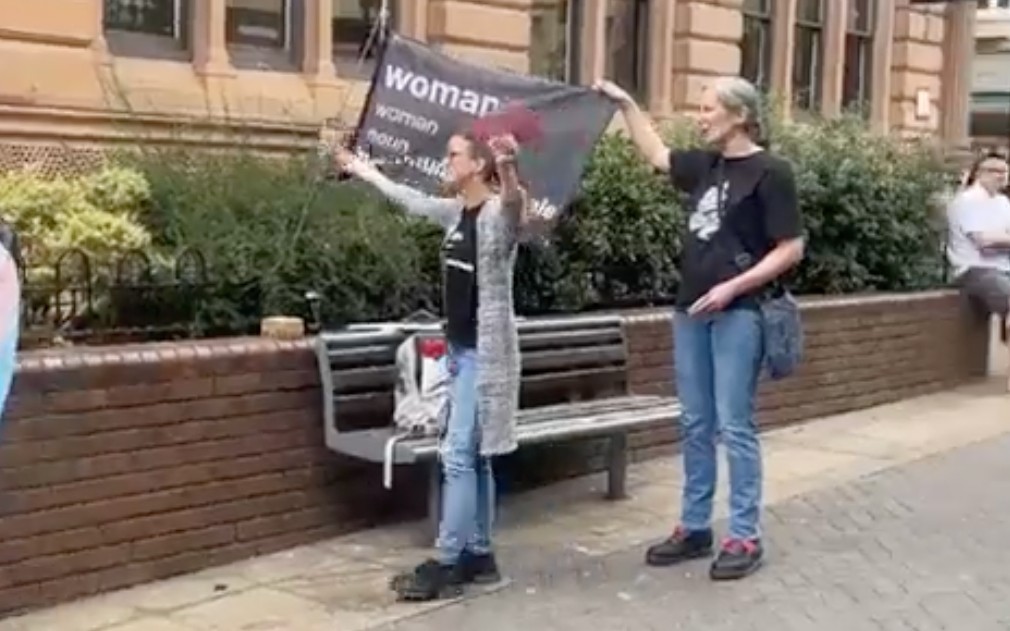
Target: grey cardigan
x: 498, y: 361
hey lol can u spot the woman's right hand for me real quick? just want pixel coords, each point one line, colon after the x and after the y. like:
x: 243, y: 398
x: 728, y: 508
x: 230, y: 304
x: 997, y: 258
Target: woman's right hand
x: 346, y: 161
x: 614, y: 92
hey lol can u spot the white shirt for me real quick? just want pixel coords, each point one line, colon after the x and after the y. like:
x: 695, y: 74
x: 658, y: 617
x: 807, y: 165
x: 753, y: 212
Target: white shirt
x: 975, y: 210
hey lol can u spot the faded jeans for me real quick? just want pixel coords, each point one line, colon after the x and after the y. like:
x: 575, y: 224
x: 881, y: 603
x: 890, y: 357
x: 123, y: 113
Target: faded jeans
x: 468, y: 492
x: 717, y: 361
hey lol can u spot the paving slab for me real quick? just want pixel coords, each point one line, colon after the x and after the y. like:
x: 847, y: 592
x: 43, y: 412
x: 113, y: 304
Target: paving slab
x: 854, y: 501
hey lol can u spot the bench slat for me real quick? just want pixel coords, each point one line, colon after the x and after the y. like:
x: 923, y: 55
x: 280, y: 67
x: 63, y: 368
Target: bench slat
x: 361, y: 356
x: 565, y: 339
x: 573, y: 358
x: 638, y: 411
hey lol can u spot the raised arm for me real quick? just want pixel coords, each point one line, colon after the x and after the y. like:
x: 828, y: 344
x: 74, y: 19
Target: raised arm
x: 438, y: 209
x: 642, y: 132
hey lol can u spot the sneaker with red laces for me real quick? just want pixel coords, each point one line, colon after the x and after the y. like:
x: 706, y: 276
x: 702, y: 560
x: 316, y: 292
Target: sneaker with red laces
x: 682, y: 545
x: 737, y: 558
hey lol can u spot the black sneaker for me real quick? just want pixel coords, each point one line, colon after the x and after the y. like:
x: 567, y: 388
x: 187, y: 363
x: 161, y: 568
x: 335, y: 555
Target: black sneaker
x: 737, y: 559
x: 479, y: 568
x: 681, y: 546
x: 430, y: 580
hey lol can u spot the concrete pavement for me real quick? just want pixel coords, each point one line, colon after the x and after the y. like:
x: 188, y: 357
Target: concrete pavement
x: 890, y: 518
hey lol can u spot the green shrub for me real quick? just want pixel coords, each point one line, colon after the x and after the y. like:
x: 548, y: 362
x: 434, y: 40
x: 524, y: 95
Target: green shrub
x: 271, y: 232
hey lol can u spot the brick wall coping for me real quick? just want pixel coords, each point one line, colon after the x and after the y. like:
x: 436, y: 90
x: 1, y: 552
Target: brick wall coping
x: 56, y: 359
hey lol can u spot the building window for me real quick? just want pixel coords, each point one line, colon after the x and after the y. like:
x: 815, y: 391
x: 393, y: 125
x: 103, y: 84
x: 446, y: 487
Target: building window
x: 260, y: 33
x: 356, y: 42
x: 150, y: 17
x: 259, y: 23
x: 628, y: 45
x: 554, y: 41
x: 158, y: 29
x: 808, y: 59
x: 859, y: 55
x: 756, y: 44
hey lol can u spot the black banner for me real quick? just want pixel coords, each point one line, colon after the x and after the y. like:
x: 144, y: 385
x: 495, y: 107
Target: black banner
x: 419, y: 98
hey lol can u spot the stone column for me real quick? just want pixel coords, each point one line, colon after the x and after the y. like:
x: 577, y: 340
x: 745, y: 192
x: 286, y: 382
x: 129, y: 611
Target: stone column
x: 662, y: 23
x: 317, y: 29
x: 98, y: 44
x: 497, y: 35
x: 916, y: 67
x: 883, y: 56
x: 706, y: 45
x: 593, y: 40
x: 833, y: 70
x: 958, y: 52
x: 210, y: 48
x: 783, y: 43
x: 412, y: 19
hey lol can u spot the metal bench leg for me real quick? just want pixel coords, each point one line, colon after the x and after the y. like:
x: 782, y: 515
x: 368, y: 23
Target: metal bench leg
x: 617, y: 471
x: 434, y: 501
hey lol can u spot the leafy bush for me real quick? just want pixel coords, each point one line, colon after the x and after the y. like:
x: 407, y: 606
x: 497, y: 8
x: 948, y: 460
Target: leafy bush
x: 97, y: 214
x: 270, y: 231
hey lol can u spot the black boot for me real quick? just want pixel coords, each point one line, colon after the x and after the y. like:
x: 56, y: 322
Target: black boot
x: 737, y: 559
x: 680, y: 546
x: 479, y: 568
x: 430, y: 580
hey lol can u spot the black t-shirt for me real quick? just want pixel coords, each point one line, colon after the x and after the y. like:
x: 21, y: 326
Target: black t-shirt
x: 460, y: 299
x: 738, y: 209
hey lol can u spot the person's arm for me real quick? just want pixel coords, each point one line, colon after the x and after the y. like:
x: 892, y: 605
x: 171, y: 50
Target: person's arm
x: 438, y: 209
x: 640, y: 128
x: 976, y: 224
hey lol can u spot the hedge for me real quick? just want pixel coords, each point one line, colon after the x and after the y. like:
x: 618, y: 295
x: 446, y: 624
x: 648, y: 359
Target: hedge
x: 272, y: 230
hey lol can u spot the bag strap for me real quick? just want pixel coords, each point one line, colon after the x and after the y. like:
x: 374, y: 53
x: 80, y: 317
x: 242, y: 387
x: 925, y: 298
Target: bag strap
x: 743, y: 258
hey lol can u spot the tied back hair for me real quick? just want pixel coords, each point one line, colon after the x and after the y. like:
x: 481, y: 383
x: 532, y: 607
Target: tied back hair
x: 739, y: 96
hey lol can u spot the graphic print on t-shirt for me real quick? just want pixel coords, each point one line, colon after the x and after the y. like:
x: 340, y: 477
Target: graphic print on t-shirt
x: 705, y: 219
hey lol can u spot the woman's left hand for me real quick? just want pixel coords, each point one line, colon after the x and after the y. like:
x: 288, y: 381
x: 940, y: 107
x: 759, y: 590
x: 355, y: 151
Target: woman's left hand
x: 717, y: 299
x: 504, y: 148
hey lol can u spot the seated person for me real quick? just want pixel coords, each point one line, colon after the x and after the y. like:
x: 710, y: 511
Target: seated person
x: 978, y: 246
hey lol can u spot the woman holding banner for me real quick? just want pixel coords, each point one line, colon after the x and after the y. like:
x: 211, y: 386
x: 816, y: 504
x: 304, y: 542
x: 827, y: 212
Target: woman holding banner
x: 483, y: 216
x: 744, y: 232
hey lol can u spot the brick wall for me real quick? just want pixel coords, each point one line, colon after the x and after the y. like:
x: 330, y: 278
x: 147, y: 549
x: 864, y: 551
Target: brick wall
x: 122, y: 465
x: 860, y: 352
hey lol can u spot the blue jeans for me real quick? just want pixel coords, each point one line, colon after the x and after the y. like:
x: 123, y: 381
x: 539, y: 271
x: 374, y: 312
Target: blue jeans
x: 717, y: 360
x: 468, y: 492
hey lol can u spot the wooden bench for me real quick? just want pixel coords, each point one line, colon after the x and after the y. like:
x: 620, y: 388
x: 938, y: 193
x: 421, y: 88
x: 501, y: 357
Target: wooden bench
x: 574, y: 386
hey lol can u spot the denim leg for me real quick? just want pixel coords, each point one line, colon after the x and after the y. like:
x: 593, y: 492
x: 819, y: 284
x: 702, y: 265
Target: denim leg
x: 480, y: 542
x: 460, y: 455
x: 737, y: 343
x: 693, y: 368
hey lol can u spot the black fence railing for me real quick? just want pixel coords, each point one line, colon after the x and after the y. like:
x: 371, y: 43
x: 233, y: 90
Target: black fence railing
x: 74, y: 300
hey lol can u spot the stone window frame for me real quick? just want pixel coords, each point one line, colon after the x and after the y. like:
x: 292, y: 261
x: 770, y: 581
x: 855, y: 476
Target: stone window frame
x: 641, y: 14
x: 284, y: 58
x: 766, y: 15
x: 821, y: 27
x: 862, y: 38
